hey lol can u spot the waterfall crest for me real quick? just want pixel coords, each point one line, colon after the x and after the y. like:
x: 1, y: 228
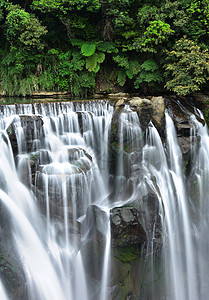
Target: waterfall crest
x: 96, y: 207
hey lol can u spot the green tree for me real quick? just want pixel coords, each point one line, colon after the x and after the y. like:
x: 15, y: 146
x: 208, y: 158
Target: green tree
x: 198, y: 19
x: 23, y: 29
x: 186, y: 67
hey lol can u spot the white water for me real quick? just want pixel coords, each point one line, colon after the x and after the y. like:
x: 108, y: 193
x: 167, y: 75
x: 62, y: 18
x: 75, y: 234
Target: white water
x: 51, y: 234
x: 71, y: 178
x: 3, y: 295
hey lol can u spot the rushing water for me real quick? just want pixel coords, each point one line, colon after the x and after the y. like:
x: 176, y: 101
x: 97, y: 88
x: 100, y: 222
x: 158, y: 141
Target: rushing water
x: 56, y: 197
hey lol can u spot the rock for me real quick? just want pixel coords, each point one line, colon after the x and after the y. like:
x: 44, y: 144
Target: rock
x: 49, y: 94
x: 158, y: 111
x: 139, y: 102
x: 126, y: 228
x: 97, y: 96
x: 94, y: 229
x: 32, y: 126
x: 118, y: 95
x: 144, y: 108
x: 120, y: 103
x: 202, y: 98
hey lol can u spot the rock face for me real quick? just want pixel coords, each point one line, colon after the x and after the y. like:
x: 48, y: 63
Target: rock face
x: 183, y: 125
x: 144, y: 108
x: 32, y: 126
x: 158, y: 111
x: 137, y: 223
x: 126, y: 227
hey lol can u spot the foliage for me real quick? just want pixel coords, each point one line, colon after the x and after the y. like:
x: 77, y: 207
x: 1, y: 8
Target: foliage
x: 88, y: 49
x: 198, y: 19
x: 149, y: 73
x: 69, y: 45
x: 23, y: 29
x: 187, y: 67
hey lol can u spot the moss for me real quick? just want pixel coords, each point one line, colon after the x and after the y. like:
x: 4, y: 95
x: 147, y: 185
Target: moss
x: 34, y: 157
x: 126, y: 254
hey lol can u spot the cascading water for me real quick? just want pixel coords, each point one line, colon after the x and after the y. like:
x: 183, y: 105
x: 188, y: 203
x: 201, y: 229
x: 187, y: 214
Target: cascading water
x: 59, y: 203
x: 2, y: 292
x: 68, y: 181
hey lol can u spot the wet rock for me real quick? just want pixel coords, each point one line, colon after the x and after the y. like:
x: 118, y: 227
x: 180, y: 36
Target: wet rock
x: 118, y: 95
x: 126, y: 229
x: 11, y: 273
x: 13, y: 139
x: 94, y: 230
x: 32, y: 128
x: 183, y: 126
x: 151, y: 219
x: 158, y: 111
x: 120, y: 103
x: 144, y: 108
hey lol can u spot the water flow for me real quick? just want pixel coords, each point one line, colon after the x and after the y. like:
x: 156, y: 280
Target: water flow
x: 164, y: 176
x: 65, y: 166
x: 198, y: 191
x: 3, y: 295
x: 181, y: 223
x: 67, y: 175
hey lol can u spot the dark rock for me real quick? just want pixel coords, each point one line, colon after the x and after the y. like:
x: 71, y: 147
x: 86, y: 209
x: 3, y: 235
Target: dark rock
x: 94, y: 229
x: 144, y: 108
x: 126, y: 229
x: 32, y: 126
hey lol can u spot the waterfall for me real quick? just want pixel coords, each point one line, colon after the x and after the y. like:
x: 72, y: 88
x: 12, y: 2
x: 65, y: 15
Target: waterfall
x: 2, y: 292
x: 63, y: 160
x: 77, y: 176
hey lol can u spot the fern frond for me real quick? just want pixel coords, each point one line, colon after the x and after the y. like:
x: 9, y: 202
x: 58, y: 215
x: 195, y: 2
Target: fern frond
x: 88, y: 49
x: 121, y: 78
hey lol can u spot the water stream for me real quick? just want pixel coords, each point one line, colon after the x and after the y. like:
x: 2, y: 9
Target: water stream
x: 58, y: 193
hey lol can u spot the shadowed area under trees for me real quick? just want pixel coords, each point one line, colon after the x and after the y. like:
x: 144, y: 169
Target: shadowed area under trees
x: 91, y: 45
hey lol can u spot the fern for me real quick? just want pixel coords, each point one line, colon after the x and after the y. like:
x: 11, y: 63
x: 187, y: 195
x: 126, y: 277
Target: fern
x: 149, y: 65
x: 100, y: 57
x: 93, y: 61
x: 149, y: 77
x: 121, y: 78
x: 88, y: 49
x: 77, y: 42
x: 108, y: 47
x: 122, y: 61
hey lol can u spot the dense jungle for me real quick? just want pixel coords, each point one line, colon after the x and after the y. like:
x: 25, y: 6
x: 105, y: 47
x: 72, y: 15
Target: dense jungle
x: 87, y: 46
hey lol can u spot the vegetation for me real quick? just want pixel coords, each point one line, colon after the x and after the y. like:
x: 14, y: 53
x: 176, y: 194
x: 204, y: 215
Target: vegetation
x: 72, y: 45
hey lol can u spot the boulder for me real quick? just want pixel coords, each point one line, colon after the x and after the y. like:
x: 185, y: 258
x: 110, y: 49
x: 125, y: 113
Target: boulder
x: 32, y: 127
x: 126, y: 229
x: 94, y: 229
x: 158, y: 111
x: 202, y: 98
x: 120, y: 103
x: 144, y: 109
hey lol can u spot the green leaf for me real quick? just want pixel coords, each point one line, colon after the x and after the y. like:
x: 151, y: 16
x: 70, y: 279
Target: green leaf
x: 121, y: 78
x: 76, y: 42
x: 149, y: 65
x: 100, y: 57
x: 91, y: 63
x: 88, y: 49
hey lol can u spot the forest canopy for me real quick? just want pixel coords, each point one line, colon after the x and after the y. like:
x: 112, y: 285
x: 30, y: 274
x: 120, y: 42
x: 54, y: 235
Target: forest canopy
x: 73, y: 45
